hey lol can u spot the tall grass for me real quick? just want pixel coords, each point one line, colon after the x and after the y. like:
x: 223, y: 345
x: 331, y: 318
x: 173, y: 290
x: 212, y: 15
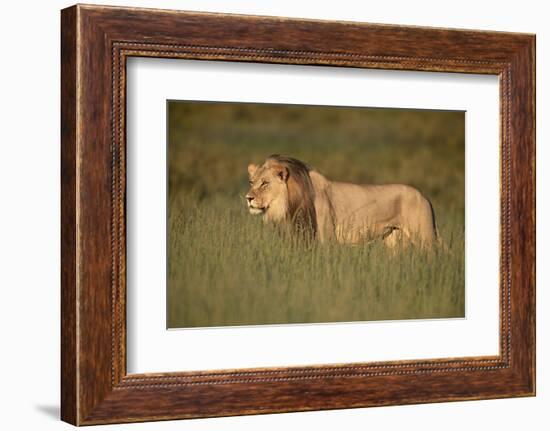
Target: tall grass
x: 227, y: 267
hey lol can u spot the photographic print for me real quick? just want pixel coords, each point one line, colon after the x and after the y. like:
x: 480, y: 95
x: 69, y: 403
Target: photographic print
x: 300, y: 214
x: 256, y: 224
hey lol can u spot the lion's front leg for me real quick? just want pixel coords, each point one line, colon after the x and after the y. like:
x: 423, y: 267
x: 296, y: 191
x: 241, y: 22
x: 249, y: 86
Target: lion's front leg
x: 325, y: 218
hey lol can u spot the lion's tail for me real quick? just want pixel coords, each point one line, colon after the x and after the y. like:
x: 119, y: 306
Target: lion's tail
x: 438, y: 239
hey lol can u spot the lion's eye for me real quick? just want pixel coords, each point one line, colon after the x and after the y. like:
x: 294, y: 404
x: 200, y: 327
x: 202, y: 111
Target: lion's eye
x: 264, y: 184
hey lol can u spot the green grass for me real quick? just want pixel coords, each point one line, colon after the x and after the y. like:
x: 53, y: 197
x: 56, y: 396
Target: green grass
x: 229, y: 268
x: 226, y: 267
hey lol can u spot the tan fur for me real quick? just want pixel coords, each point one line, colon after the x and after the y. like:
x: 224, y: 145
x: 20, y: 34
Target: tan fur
x: 286, y: 190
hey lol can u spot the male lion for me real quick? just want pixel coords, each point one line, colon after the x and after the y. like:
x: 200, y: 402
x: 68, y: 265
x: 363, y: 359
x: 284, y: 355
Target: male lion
x: 286, y: 190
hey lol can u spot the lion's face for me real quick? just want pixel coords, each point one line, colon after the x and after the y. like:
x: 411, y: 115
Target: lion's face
x: 268, y: 194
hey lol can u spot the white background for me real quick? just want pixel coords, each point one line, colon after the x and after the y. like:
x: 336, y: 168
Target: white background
x: 29, y: 215
x: 152, y: 349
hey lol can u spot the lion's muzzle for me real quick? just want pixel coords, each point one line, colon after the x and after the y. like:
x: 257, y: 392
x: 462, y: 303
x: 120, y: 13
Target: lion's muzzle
x: 253, y: 208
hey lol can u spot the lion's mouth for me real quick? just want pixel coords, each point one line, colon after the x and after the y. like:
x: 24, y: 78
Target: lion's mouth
x: 256, y: 210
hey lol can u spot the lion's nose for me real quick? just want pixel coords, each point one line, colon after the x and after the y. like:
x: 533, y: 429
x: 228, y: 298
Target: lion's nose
x: 249, y: 198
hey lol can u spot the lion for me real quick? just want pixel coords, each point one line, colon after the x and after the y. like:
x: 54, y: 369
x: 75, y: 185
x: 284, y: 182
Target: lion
x: 286, y: 190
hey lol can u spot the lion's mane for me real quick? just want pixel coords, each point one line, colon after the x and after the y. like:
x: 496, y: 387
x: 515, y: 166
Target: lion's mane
x: 300, y: 210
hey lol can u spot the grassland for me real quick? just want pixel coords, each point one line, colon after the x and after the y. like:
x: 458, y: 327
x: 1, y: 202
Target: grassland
x: 226, y: 267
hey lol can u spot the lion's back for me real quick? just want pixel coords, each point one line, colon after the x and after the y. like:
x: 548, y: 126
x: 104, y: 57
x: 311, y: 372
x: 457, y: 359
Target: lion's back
x: 355, y: 206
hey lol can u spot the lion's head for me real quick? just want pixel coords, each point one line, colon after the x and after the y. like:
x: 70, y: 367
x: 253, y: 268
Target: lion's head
x: 281, y: 190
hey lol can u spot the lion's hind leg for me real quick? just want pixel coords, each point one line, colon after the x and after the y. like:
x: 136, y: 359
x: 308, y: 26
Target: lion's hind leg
x: 394, y: 239
x: 390, y: 241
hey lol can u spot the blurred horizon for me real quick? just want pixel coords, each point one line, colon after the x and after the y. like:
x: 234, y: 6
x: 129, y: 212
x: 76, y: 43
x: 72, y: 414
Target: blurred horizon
x: 429, y: 140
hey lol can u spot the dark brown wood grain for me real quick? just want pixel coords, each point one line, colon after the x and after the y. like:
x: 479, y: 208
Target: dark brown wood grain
x: 96, y: 41
x: 68, y: 216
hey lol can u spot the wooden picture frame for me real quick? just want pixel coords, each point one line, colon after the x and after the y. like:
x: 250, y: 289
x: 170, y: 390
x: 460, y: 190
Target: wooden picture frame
x: 95, y: 43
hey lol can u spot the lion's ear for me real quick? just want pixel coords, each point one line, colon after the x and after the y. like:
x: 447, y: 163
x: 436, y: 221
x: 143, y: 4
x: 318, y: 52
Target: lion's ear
x: 252, y: 168
x: 281, y: 171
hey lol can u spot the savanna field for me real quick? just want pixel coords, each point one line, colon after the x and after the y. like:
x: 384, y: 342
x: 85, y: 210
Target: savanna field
x: 226, y: 267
